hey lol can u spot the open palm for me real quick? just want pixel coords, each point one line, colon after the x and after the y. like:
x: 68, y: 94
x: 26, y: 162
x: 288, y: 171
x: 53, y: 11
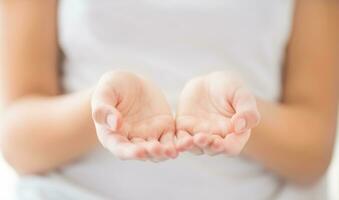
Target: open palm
x: 215, y: 115
x: 132, y: 118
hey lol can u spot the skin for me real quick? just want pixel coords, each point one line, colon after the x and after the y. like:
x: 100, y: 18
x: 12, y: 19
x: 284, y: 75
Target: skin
x: 43, y: 129
x: 295, y: 137
x: 132, y: 118
x: 134, y: 121
x: 215, y: 115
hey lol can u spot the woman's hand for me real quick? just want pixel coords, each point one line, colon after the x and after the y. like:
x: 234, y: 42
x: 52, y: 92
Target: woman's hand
x: 215, y: 115
x: 132, y: 118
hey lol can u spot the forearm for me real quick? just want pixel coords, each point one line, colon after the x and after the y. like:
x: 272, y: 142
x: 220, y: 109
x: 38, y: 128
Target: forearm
x: 293, y: 140
x: 40, y: 133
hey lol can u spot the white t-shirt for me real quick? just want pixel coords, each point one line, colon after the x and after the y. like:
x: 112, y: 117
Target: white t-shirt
x: 170, y: 42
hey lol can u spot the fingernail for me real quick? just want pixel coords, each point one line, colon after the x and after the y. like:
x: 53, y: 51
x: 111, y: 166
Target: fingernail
x: 112, y: 121
x: 240, y: 124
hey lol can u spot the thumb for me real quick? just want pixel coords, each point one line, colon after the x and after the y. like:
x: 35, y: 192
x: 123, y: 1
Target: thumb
x: 104, y: 110
x: 107, y: 115
x: 246, y: 111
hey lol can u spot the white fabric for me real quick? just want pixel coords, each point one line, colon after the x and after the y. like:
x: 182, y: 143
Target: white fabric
x: 172, y: 41
x: 52, y: 187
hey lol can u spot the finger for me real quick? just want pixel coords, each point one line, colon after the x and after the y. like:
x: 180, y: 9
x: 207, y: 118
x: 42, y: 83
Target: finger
x: 247, y: 115
x: 106, y: 136
x: 119, y: 145
x: 194, y: 149
x: 167, y: 140
x: 217, y: 145
x: 154, y: 149
x: 129, y: 151
x: 103, y: 105
x: 140, y: 142
x: 124, y: 149
x: 202, y: 140
x: 184, y: 141
x: 107, y: 116
x: 148, y: 156
x: 234, y: 143
x: 222, y: 127
x: 186, y: 123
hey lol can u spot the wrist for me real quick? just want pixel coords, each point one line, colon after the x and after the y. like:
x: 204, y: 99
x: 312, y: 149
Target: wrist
x: 83, y: 123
